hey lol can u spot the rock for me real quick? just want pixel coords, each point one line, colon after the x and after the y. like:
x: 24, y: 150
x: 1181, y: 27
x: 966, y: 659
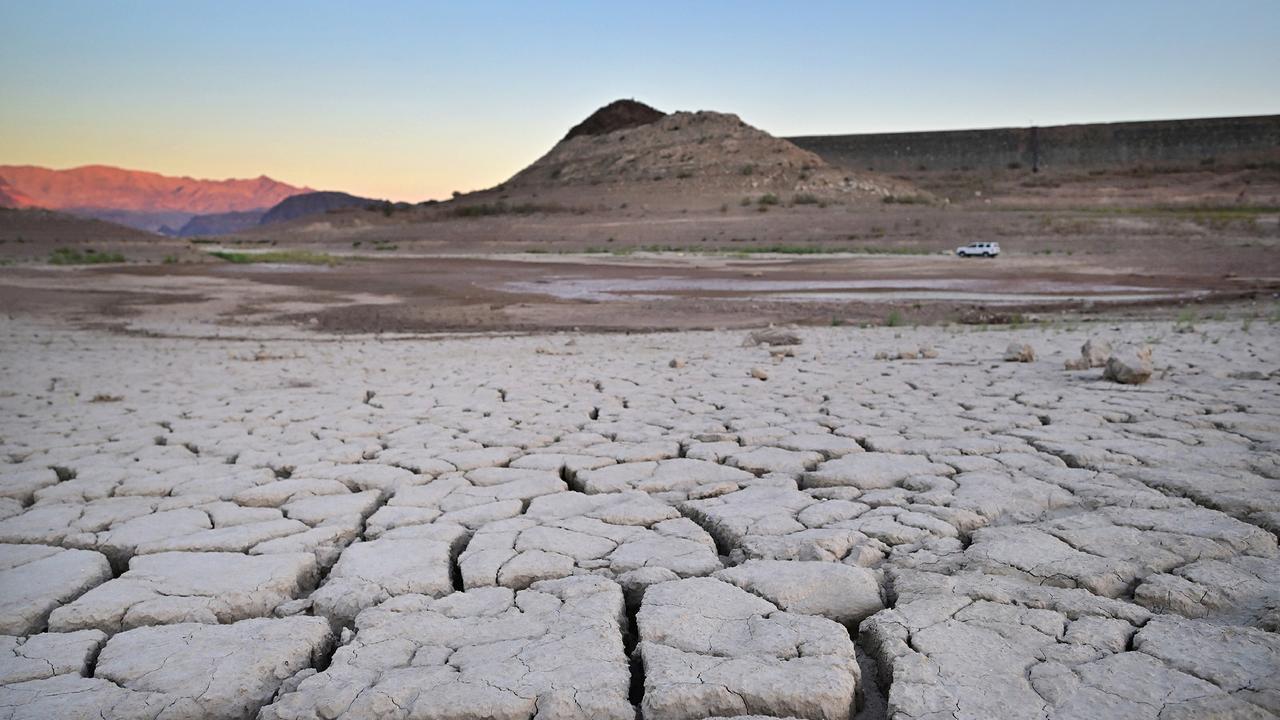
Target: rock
x: 1019, y: 352
x: 928, y: 352
x: 552, y: 650
x: 36, y: 580
x: 710, y: 648
x: 676, y: 363
x: 1095, y: 352
x: 759, y: 373
x: 771, y: 336
x: 169, y: 588
x: 1132, y: 368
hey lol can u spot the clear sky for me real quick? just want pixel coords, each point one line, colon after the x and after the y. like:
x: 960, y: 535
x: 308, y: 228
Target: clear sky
x: 411, y: 100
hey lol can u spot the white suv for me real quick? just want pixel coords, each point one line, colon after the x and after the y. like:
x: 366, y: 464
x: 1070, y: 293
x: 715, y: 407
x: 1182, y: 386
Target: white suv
x: 981, y: 249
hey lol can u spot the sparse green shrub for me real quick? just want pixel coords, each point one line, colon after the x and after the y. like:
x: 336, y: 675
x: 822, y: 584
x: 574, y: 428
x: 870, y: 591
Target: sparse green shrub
x: 805, y: 199
x: 72, y: 256
x: 769, y: 199
x: 905, y: 200
x: 747, y: 169
x: 502, y: 208
x: 894, y: 319
x: 297, y: 257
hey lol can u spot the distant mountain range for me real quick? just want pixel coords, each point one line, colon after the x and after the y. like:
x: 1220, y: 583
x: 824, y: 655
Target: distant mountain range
x: 290, y: 208
x: 180, y: 206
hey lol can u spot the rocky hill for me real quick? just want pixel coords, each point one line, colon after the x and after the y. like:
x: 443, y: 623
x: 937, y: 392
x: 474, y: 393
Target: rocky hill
x: 144, y: 200
x: 12, y: 197
x: 312, y: 203
x: 628, y: 150
x: 219, y: 224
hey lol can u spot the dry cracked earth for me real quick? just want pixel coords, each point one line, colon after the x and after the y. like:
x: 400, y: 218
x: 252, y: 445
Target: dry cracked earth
x: 667, y: 526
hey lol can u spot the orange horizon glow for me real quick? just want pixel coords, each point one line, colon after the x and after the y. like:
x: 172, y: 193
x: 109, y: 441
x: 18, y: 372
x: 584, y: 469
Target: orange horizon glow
x: 414, y: 100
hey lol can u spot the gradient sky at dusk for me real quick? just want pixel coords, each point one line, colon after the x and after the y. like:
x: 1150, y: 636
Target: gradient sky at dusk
x: 412, y: 100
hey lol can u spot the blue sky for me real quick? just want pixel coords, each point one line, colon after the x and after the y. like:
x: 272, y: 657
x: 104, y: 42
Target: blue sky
x: 413, y: 100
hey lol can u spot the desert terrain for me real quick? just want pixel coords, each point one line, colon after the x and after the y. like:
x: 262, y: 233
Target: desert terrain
x: 882, y: 522
x: 679, y: 422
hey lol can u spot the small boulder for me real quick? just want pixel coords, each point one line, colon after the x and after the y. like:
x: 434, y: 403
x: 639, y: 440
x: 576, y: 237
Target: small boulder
x: 1095, y: 352
x: 1129, y: 368
x: 1080, y: 363
x: 1019, y: 352
x: 771, y: 336
x: 759, y: 373
x: 676, y: 363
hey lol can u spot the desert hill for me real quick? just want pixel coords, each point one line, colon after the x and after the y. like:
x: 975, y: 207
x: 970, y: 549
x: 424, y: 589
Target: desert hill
x: 12, y: 197
x: 144, y: 200
x: 628, y: 151
x: 292, y: 207
x: 311, y: 204
x: 617, y: 115
x: 34, y: 235
x: 218, y: 224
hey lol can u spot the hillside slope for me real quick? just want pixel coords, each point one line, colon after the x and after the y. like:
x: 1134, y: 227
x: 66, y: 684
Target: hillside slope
x: 312, y: 203
x: 628, y: 151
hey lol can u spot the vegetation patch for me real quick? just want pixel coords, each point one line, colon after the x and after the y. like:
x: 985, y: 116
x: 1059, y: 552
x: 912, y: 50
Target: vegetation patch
x: 503, y: 208
x: 295, y: 257
x: 73, y: 256
x: 905, y: 200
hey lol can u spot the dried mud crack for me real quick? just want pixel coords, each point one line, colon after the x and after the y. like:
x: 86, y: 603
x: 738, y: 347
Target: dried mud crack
x: 577, y: 526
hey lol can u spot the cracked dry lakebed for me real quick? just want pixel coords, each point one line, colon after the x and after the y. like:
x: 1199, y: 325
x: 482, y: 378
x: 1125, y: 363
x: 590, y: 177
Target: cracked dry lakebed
x: 664, y: 526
